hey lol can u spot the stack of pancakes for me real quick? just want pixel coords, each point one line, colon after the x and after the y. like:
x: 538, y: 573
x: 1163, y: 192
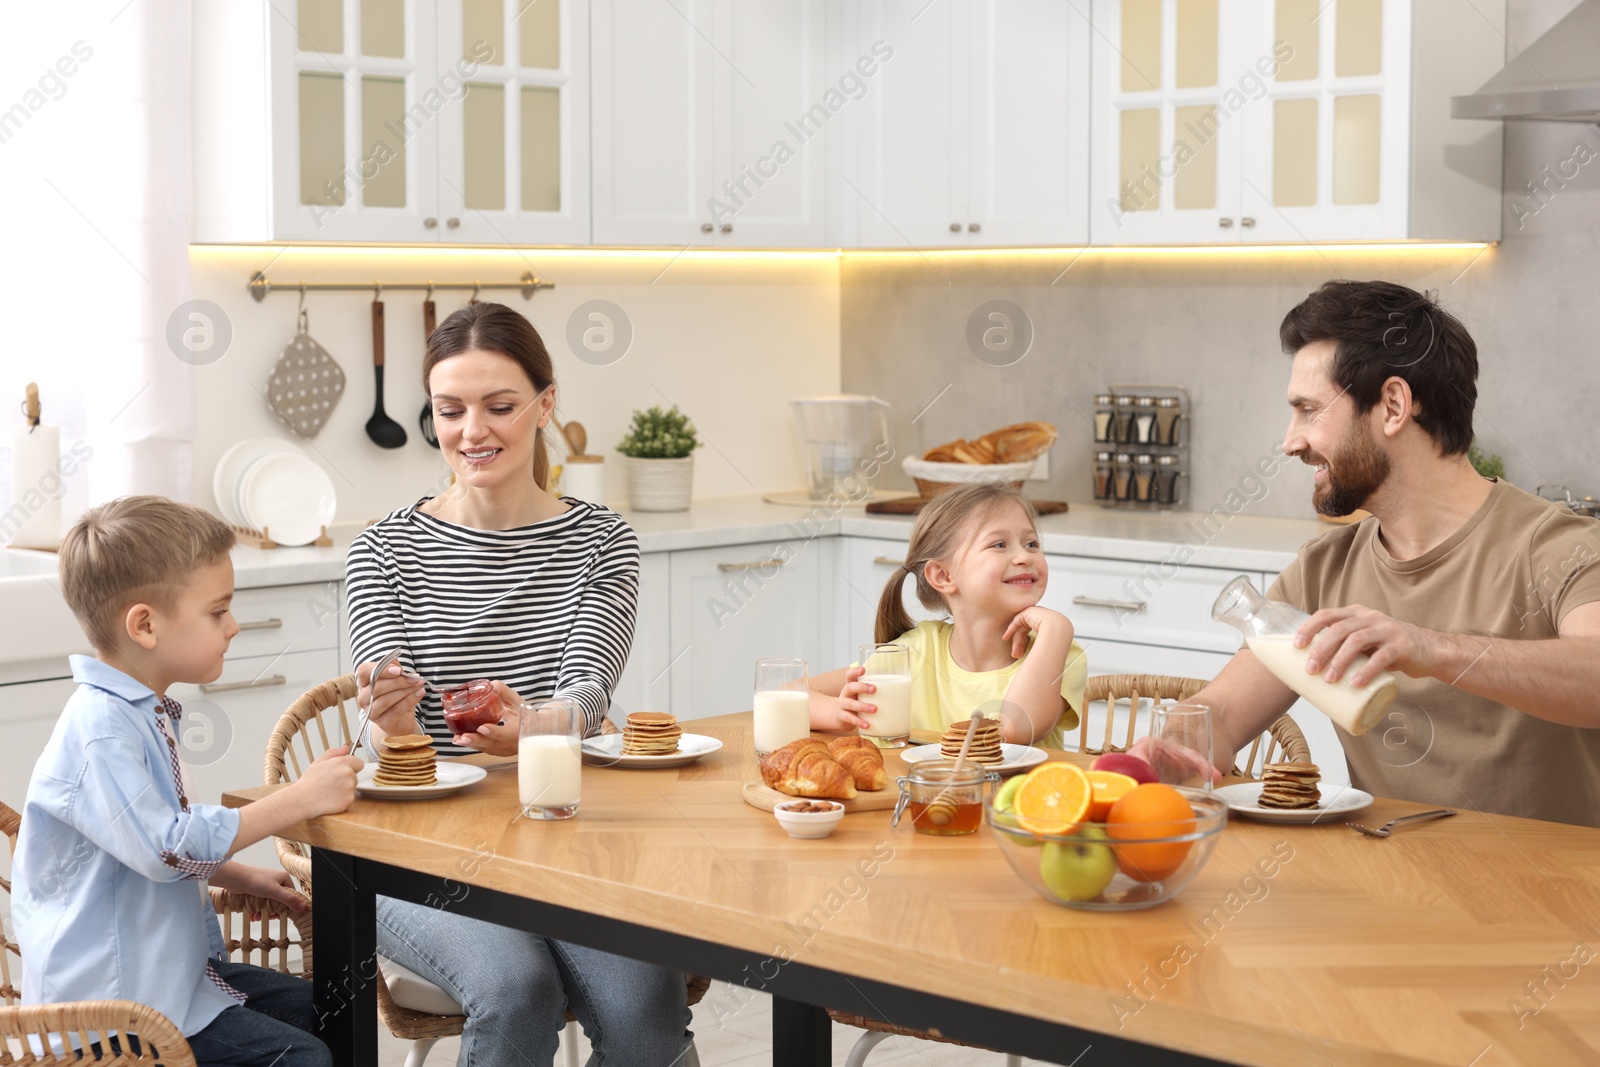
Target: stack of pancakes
x: 985, y: 742
x: 1290, y: 785
x: 650, y: 733
x: 405, y: 759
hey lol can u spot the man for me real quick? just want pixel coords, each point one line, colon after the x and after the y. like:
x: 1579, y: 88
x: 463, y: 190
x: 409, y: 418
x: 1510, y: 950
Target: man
x: 1483, y: 599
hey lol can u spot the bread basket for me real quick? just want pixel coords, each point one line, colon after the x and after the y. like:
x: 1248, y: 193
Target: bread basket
x: 935, y: 478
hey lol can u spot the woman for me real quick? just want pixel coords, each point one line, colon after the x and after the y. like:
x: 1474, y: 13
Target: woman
x: 495, y: 578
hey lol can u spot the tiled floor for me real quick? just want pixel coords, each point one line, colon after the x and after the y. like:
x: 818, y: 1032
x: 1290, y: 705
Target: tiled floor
x: 744, y: 1039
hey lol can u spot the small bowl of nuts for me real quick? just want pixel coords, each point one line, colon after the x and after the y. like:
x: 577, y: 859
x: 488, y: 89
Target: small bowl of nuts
x: 809, y: 818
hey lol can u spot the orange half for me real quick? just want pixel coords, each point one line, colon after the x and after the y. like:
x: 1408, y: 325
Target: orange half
x: 1053, y: 799
x: 1109, y: 787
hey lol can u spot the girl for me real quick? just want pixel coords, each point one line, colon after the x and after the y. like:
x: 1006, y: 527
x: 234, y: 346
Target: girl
x: 975, y: 555
x: 497, y: 578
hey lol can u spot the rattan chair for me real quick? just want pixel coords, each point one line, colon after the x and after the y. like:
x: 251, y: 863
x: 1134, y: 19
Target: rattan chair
x: 304, y: 732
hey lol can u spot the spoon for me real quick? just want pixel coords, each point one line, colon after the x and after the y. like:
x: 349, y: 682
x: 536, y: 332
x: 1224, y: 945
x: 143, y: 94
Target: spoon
x: 384, y: 431
x: 577, y: 438
x: 942, y: 809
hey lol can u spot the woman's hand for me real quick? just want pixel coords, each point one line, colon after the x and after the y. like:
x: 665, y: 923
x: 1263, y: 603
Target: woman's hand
x: 498, y: 739
x: 1036, y: 619
x: 393, y: 699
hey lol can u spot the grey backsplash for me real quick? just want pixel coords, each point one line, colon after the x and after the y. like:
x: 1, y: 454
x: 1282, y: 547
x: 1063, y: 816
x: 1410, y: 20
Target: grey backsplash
x: 1210, y: 323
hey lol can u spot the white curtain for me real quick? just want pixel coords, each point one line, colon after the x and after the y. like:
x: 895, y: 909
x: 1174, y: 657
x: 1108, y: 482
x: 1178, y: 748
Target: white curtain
x: 94, y: 178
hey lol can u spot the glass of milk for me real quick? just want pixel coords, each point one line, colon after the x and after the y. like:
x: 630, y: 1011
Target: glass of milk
x: 1269, y: 627
x: 549, y: 759
x: 888, y: 669
x: 782, y: 703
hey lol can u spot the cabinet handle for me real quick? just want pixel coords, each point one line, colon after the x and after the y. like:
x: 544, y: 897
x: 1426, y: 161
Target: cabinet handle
x: 1100, y: 602
x: 430, y: 224
x: 1247, y: 221
x: 885, y: 561
x: 706, y: 227
x: 261, y: 624
x: 955, y: 227
x: 453, y: 223
x: 726, y: 567
x: 727, y: 227
x: 259, y: 683
x: 1225, y: 223
x: 973, y: 227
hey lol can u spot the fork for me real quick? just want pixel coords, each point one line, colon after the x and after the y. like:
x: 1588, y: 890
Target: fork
x: 1388, y: 828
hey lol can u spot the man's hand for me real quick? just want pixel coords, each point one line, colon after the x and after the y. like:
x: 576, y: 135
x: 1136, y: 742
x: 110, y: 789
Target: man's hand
x: 1179, y: 762
x: 1336, y: 636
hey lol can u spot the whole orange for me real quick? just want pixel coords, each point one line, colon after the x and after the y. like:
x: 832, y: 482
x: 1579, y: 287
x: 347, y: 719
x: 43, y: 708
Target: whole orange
x: 1150, y: 812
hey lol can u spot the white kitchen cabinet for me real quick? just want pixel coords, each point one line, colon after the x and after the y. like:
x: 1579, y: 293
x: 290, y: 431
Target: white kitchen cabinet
x: 731, y: 606
x: 1216, y: 121
x: 711, y: 122
x: 867, y: 564
x: 28, y: 713
x: 974, y: 130
x: 388, y: 121
x: 646, y: 683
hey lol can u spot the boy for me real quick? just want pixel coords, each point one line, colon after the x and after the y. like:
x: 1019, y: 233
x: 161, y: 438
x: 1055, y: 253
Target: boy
x: 113, y: 859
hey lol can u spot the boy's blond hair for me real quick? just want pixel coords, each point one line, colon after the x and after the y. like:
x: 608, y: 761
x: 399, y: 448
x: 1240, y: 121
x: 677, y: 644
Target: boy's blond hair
x: 133, y: 550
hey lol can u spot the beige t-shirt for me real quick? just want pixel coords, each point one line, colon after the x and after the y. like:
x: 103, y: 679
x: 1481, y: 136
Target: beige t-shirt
x: 1514, y: 570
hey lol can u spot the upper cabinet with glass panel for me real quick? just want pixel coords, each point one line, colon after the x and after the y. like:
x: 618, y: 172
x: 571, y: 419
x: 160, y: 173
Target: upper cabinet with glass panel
x: 1256, y: 121
x: 392, y: 120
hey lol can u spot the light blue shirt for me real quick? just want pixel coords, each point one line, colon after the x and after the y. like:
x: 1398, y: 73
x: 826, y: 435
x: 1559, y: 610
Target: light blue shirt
x: 109, y: 880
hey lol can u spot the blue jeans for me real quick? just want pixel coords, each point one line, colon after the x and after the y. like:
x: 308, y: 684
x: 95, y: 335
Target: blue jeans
x: 515, y: 987
x: 275, y: 1028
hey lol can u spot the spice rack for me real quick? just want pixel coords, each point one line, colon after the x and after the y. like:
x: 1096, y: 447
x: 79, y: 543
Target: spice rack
x: 1141, y: 446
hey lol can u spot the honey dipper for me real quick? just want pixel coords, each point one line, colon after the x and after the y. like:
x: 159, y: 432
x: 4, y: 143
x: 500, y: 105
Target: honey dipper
x: 942, y: 810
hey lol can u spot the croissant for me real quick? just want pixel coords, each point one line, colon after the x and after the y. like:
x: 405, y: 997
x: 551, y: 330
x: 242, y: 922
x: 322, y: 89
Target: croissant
x: 862, y: 759
x: 1022, y: 442
x: 805, y: 768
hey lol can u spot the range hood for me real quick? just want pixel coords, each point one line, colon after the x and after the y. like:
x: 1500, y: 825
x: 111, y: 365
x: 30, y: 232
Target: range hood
x: 1555, y: 79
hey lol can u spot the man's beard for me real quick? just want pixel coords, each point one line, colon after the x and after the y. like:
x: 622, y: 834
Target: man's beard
x: 1356, y: 472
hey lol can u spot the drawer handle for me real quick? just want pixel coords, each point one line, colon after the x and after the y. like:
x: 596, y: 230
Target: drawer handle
x: 263, y: 624
x: 726, y: 567
x: 885, y: 561
x: 1099, y: 602
x: 259, y: 683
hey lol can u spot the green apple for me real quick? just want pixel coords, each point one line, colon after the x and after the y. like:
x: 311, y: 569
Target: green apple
x: 1003, y: 799
x: 1080, y: 870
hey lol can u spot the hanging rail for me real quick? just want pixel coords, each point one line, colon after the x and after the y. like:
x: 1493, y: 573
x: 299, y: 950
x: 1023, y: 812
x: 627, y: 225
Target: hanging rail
x: 261, y: 285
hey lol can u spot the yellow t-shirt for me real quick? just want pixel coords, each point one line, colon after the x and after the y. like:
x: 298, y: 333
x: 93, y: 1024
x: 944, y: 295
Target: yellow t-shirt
x: 942, y: 693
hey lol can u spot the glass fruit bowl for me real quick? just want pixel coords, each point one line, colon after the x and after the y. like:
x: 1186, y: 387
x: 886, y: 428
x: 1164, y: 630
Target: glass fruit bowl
x: 1113, y: 867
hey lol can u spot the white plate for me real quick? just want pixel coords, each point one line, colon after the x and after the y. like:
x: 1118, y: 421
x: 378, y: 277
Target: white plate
x: 1337, y: 801
x: 232, y: 465
x: 289, y: 497
x: 1014, y: 757
x: 606, y: 751
x: 452, y: 776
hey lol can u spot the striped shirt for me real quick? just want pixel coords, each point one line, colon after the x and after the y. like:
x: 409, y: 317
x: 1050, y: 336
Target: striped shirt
x: 548, y: 609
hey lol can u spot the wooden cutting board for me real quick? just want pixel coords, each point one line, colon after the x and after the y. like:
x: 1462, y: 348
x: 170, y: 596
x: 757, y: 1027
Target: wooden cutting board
x: 912, y: 504
x: 760, y: 795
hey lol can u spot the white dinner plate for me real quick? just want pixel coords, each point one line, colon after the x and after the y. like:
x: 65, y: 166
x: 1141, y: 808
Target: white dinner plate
x: 1014, y: 757
x: 289, y: 497
x: 1337, y: 801
x: 452, y: 776
x: 232, y: 465
x: 606, y: 751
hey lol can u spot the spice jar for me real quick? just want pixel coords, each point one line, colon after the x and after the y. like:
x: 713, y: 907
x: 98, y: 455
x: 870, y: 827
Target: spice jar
x: 469, y: 706
x: 1144, y: 420
x: 1122, y: 423
x: 1166, y: 477
x: 942, y: 801
x: 1144, y: 486
x: 1122, y: 476
x: 1104, y: 489
x: 1169, y: 411
x: 1104, y: 417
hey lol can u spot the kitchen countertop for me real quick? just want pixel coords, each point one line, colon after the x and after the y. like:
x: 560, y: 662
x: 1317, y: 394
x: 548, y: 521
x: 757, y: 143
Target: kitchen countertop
x: 1240, y: 542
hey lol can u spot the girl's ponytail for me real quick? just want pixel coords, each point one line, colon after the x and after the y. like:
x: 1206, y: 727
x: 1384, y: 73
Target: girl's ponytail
x: 893, y: 619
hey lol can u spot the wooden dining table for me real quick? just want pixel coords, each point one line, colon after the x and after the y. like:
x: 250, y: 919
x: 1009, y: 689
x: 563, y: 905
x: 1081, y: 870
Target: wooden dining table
x: 1470, y: 941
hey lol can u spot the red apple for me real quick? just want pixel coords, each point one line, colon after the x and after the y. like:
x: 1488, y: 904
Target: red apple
x: 1123, y: 763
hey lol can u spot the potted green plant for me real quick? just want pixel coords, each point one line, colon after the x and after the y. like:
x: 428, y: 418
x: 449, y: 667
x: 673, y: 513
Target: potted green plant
x: 660, y: 448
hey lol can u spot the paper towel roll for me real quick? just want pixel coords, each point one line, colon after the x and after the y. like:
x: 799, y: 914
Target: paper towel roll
x: 36, y: 488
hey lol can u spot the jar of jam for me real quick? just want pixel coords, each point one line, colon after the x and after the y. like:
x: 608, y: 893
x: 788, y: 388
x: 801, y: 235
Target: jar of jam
x: 469, y: 706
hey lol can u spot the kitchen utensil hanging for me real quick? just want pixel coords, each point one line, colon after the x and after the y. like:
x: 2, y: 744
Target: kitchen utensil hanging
x: 384, y: 431
x: 306, y: 382
x: 430, y: 314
